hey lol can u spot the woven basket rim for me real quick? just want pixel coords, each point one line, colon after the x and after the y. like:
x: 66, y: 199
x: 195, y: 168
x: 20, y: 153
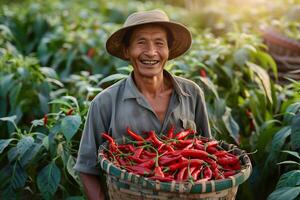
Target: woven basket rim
x: 181, y: 187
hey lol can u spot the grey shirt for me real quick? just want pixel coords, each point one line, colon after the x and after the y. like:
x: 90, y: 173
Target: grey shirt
x: 122, y: 105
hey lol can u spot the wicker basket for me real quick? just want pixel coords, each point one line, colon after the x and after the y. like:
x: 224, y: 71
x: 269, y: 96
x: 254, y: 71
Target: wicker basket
x: 128, y: 186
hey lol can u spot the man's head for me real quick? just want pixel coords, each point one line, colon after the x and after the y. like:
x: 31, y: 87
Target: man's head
x: 147, y: 49
x: 178, y: 36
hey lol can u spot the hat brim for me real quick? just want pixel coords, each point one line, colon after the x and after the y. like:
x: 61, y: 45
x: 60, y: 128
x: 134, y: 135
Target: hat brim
x: 182, y: 39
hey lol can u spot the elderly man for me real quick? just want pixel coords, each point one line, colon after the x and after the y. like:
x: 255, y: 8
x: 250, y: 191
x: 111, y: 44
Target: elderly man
x: 149, y: 99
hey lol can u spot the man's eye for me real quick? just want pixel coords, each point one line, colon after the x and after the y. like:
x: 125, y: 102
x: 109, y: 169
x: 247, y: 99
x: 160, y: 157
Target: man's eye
x: 141, y: 42
x: 160, y: 43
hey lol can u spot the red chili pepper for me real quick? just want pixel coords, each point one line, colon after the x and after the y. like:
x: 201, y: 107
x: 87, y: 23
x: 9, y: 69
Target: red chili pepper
x: 217, y: 174
x: 149, y: 154
x: 194, y: 153
x: 153, y: 139
x: 148, y: 164
x: 185, y: 163
x: 127, y: 148
x: 137, y: 160
x: 203, y: 72
x: 121, y: 161
x: 138, y: 152
x: 158, y: 172
x: 192, y: 169
x: 181, y: 135
x: 248, y: 113
x: 45, y: 119
x: 166, y: 160
x: 252, y: 126
x: 70, y: 111
x: 183, y: 143
x: 213, y: 164
x: 212, y: 143
x: 207, y: 173
x: 236, y: 166
x: 134, y: 135
x: 196, y: 172
x: 228, y: 160
x: 110, y: 140
x: 171, y: 132
x: 169, y: 148
x: 180, y: 175
x: 211, y: 150
x: 220, y: 153
x: 199, y: 146
x: 190, y: 146
x: 91, y: 52
x: 161, y: 148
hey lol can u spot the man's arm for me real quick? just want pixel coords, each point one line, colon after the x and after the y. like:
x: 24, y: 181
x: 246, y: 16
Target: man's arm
x: 92, y: 186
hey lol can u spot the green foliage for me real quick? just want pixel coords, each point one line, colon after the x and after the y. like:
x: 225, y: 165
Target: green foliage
x: 288, y: 186
x: 24, y: 88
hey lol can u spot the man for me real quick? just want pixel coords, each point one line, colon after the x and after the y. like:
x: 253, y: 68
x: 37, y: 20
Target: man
x: 149, y: 99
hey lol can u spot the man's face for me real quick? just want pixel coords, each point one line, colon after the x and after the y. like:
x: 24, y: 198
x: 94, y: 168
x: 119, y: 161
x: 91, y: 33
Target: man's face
x: 148, y: 50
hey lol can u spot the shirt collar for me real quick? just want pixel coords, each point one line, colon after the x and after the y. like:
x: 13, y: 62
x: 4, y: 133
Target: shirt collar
x: 131, y: 91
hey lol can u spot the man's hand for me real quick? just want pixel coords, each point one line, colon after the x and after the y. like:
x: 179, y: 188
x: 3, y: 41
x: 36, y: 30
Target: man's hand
x: 92, y: 186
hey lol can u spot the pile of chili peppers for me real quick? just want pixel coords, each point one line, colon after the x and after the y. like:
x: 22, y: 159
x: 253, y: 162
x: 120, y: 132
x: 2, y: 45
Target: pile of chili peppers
x: 180, y: 157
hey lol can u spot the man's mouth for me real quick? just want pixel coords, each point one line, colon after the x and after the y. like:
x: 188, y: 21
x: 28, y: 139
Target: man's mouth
x: 149, y: 62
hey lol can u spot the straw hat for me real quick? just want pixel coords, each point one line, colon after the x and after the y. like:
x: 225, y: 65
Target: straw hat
x: 182, y: 38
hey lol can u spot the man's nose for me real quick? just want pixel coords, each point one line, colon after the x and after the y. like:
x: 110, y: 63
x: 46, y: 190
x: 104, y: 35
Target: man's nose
x: 151, y: 50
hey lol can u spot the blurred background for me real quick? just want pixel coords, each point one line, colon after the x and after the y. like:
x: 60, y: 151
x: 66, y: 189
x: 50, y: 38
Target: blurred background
x: 245, y: 55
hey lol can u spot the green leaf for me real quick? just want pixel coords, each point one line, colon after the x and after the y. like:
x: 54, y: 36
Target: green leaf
x: 220, y: 107
x: 289, y: 193
x: 10, y: 119
x: 37, y: 122
x: 4, y: 143
x: 113, y: 77
x: 18, y: 176
x: 48, y: 179
x: 24, y: 144
x: 267, y: 62
x: 240, y: 56
x: 264, y: 78
x: 288, y: 162
x: 14, y: 95
x: 277, y: 143
x: 207, y: 82
x: 62, y: 102
x: 293, y: 153
x: 5, y: 84
x: 88, y: 61
x: 289, y: 179
x: 73, y: 99
x: 30, y: 154
x: 290, y: 112
x: 70, y: 125
x: 125, y: 69
x: 231, y: 125
x: 12, y: 154
x: 295, y: 134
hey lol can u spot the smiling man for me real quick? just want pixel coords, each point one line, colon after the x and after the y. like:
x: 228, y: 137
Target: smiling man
x: 149, y: 99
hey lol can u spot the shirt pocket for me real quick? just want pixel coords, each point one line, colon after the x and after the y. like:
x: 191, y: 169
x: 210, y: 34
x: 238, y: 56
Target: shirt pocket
x: 188, y: 124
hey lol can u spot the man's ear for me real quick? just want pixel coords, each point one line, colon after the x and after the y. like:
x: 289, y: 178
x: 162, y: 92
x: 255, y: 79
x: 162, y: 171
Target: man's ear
x: 126, y: 53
